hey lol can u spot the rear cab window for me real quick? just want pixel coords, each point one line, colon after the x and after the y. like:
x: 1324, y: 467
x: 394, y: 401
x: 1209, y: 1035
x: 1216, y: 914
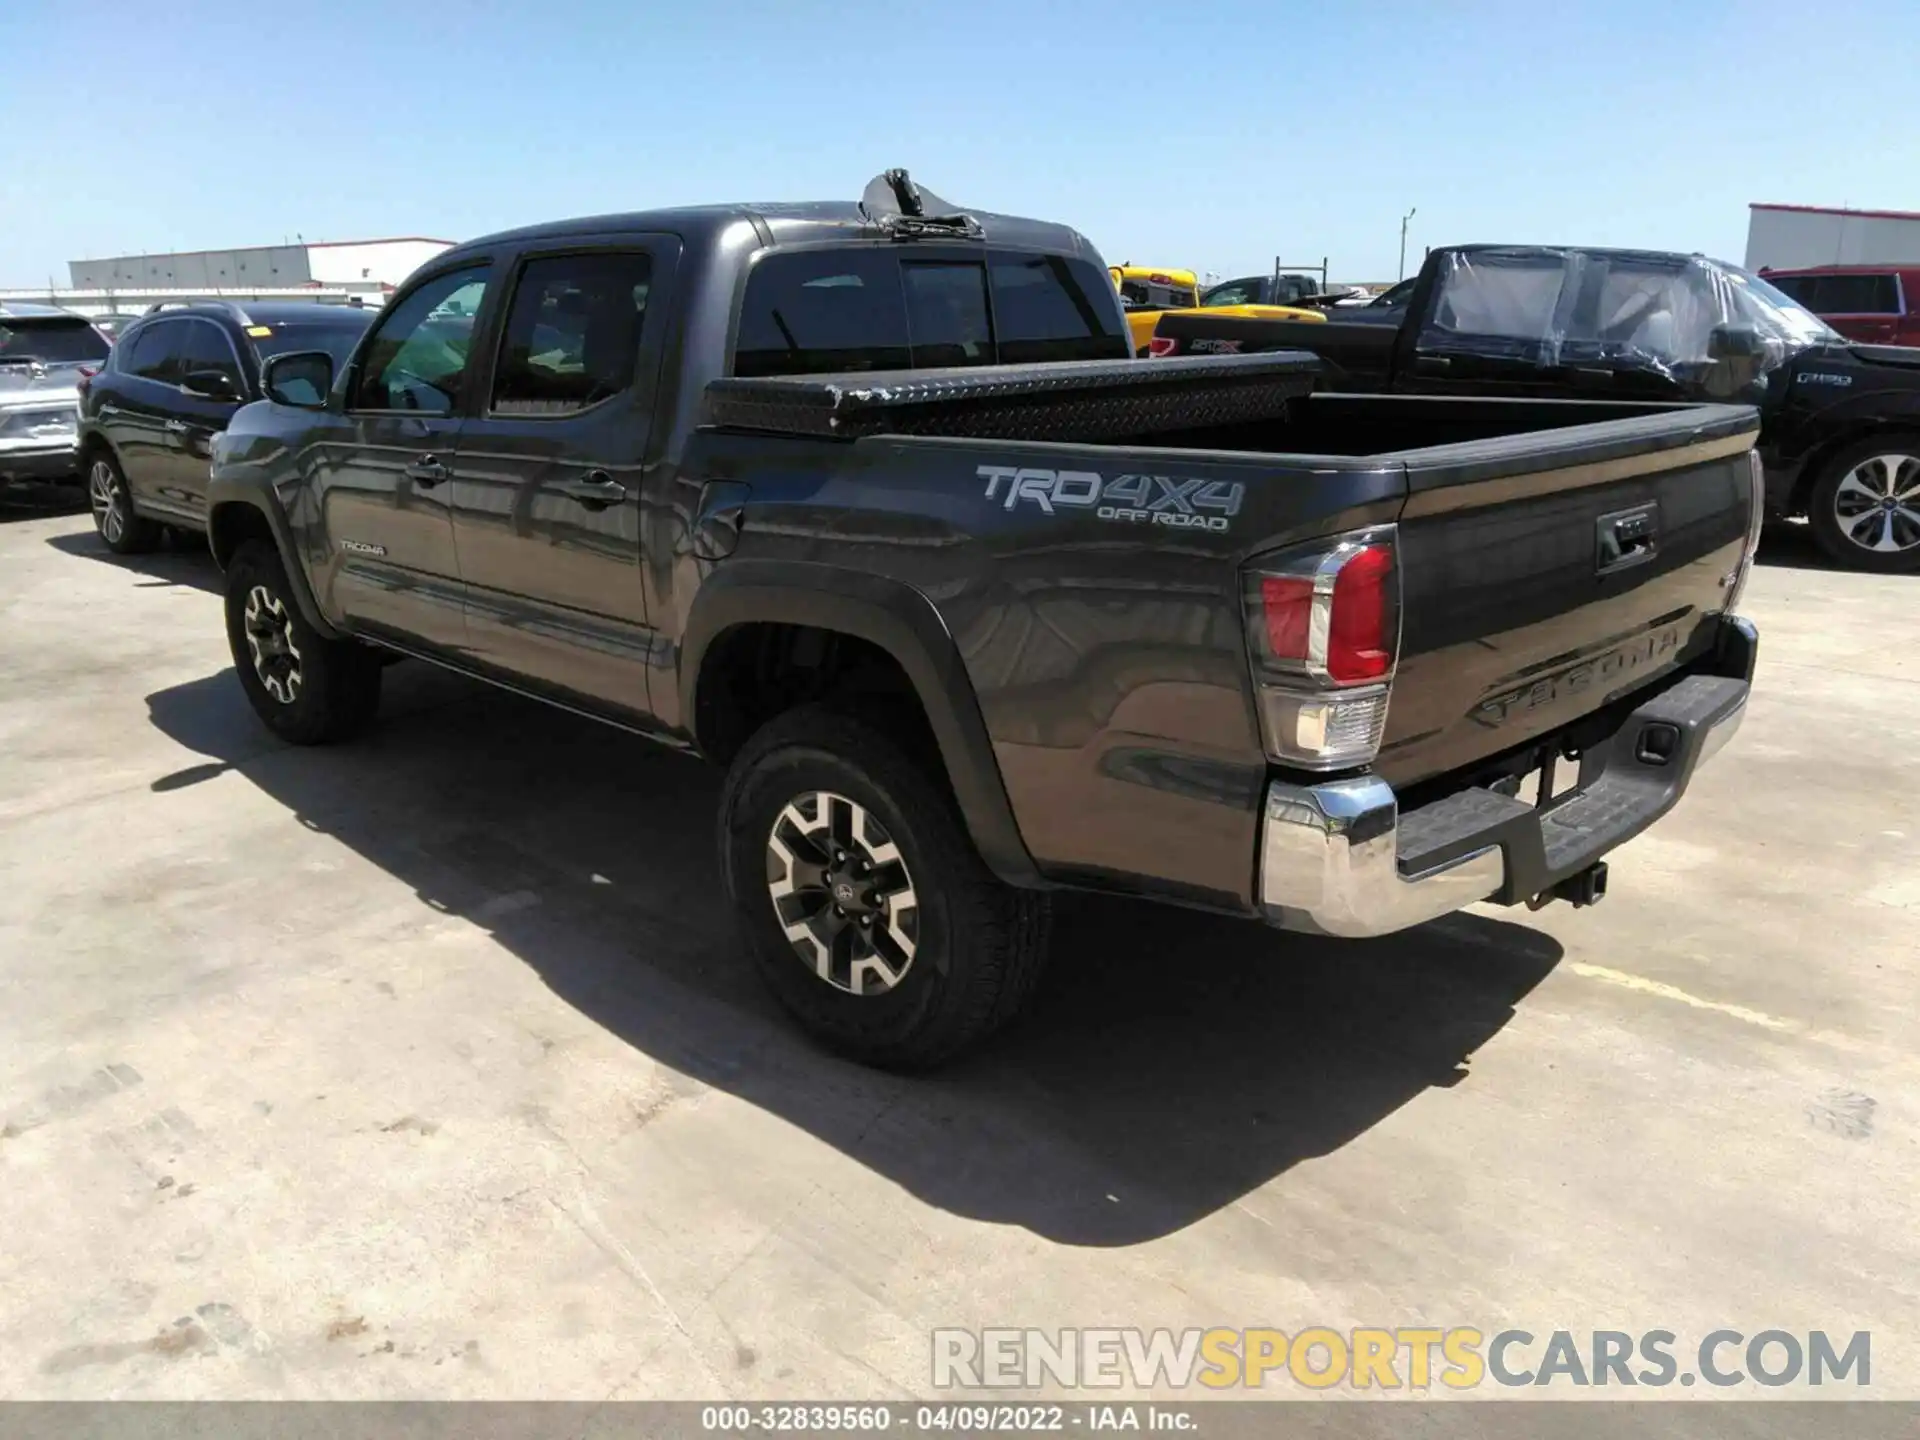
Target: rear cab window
x: 871, y: 308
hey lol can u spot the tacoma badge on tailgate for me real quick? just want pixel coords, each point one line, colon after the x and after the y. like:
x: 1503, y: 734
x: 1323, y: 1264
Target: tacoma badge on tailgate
x: 1496, y: 710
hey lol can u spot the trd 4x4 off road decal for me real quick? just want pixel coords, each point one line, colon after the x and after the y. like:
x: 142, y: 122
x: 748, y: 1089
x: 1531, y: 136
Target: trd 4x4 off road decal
x: 1137, y: 499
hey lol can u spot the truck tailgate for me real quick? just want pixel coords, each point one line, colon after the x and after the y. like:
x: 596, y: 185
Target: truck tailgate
x: 1546, y: 574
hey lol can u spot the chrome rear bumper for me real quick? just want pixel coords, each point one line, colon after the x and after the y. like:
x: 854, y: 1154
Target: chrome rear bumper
x: 1330, y: 863
x: 1338, y: 858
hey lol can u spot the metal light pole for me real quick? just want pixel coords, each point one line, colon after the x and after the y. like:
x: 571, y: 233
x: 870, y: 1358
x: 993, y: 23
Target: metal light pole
x: 1403, y: 241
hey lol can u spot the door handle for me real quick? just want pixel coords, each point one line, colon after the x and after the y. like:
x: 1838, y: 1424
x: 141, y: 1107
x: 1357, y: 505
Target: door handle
x: 596, y: 490
x: 1432, y: 364
x: 177, y: 427
x: 426, y: 472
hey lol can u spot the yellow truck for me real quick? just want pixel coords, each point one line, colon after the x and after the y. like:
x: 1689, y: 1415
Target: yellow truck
x: 1146, y: 294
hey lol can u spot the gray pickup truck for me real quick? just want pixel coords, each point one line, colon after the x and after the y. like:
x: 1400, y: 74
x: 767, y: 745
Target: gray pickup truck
x: 869, y: 504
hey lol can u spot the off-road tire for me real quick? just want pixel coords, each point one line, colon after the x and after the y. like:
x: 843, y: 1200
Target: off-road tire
x: 982, y: 944
x: 1833, y: 540
x: 120, y: 530
x: 338, y: 681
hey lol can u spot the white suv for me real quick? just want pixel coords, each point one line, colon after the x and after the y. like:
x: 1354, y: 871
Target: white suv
x: 45, y: 356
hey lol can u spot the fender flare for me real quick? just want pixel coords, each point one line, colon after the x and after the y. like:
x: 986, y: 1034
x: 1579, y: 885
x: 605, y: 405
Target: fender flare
x: 902, y: 622
x: 224, y: 496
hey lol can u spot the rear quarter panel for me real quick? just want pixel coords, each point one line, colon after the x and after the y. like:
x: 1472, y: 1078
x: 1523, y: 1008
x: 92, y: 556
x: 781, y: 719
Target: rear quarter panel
x: 1106, y: 652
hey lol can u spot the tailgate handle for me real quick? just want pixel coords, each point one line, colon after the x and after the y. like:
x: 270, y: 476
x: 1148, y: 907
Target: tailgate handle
x: 1626, y: 537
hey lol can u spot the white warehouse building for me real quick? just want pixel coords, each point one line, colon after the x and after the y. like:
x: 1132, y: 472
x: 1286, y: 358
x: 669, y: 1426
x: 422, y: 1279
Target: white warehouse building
x: 1794, y: 237
x: 374, y: 266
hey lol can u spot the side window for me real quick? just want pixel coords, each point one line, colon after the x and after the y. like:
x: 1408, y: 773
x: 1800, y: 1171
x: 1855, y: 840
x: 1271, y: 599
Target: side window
x: 947, y: 313
x: 573, y: 333
x: 1237, y: 292
x: 823, y: 312
x: 1502, y: 297
x: 418, y: 357
x: 1049, y: 308
x: 1396, y: 297
x: 1857, y: 295
x: 207, y: 348
x: 157, y: 352
x: 1804, y: 288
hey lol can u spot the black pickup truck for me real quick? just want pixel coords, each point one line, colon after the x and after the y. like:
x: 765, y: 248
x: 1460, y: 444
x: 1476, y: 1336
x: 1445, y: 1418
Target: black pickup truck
x: 869, y: 504
x: 1840, y: 421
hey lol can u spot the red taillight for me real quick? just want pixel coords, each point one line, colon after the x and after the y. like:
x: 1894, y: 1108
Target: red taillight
x: 1324, y: 623
x: 1331, y: 613
x: 86, y: 379
x: 1162, y: 345
x: 1286, y: 603
x: 1359, y: 645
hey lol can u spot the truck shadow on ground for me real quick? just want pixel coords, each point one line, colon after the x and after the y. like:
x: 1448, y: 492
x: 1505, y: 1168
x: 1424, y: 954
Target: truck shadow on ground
x: 1173, y: 1063
x: 179, y: 559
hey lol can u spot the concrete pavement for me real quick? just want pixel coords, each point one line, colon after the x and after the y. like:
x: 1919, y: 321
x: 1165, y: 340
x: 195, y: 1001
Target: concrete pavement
x: 423, y: 1067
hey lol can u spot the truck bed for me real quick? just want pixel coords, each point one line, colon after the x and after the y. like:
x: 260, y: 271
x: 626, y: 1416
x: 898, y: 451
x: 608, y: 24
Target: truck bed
x: 1106, y: 643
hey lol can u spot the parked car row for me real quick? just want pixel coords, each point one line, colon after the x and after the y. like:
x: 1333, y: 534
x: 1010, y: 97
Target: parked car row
x: 1840, y: 419
x: 173, y: 381
x: 873, y: 505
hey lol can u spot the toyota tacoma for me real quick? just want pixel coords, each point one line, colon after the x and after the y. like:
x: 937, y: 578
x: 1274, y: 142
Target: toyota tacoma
x: 870, y: 504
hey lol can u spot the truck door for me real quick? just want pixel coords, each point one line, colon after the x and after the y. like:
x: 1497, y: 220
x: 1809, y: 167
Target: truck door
x: 383, y: 490
x: 546, y: 495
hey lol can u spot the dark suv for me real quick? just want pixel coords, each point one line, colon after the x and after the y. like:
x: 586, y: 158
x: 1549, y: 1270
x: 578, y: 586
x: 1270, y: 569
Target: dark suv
x: 174, y: 379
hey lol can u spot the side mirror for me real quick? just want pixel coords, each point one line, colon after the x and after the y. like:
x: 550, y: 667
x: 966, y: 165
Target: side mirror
x: 1735, y: 342
x: 1736, y: 358
x: 302, y: 380
x: 210, y: 385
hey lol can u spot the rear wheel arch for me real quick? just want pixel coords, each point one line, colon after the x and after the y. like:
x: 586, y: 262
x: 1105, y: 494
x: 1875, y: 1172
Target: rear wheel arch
x: 1896, y: 429
x: 94, y: 445
x: 748, y: 603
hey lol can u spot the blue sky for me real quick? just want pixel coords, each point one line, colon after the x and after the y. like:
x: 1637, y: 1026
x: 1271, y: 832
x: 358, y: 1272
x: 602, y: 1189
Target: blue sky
x: 1210, y: 135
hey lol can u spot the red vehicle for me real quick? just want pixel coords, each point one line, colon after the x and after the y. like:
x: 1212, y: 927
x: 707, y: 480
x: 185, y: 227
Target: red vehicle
x: 1877, y: 304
